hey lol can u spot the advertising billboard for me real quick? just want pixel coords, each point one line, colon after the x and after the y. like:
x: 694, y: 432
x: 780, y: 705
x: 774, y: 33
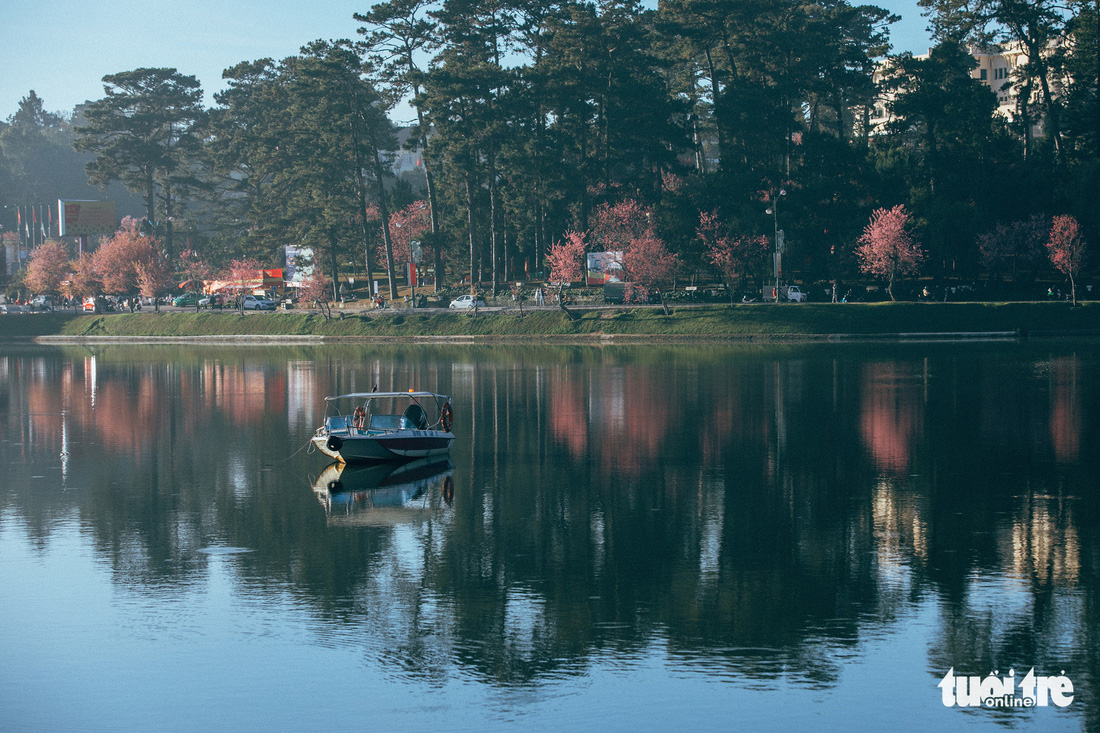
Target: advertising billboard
x: 80, y: 218
x: 604, y: 267
x: 299, y: 264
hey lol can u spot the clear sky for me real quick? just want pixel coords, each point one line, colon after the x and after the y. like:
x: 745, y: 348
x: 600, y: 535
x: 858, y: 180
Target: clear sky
x: 62, y: 49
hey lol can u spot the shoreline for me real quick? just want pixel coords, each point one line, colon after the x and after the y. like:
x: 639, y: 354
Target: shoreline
x: 578, y: 339
x: 807, y: 323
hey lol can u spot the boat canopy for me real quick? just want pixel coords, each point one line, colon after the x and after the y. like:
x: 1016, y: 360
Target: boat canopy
x: 372, y: 395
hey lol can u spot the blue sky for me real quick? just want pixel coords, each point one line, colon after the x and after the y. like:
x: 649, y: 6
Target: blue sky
x: 62, y: 49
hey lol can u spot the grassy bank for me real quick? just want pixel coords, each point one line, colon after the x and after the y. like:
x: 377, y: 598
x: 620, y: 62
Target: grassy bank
x: 711, y: 321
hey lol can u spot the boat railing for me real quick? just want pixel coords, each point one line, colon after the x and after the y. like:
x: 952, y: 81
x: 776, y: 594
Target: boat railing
x: 386, y: 423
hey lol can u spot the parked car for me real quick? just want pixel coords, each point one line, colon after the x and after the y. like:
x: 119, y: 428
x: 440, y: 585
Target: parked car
x: 187, y: 300
x: 795, y: 294
x: 42, y: 303
x: 464, y: 302
x: 258, y: 303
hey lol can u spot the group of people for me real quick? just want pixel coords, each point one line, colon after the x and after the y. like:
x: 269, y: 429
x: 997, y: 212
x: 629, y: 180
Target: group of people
x: 540, y: 297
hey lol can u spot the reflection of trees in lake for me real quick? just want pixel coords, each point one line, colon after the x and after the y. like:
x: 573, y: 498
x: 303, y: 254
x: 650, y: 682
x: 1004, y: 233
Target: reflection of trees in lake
x: 892, y: 413
x: 568, y: 417
x: 748, y: 513
x: 1065, y: 410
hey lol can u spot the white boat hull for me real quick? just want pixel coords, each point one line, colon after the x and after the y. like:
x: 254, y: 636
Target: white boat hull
x: 390, y: 446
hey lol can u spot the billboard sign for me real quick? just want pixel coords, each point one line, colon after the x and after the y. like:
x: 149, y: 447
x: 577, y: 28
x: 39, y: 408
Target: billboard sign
x: 80, y: 218
x: 299, y: 264
x: 604, y: 267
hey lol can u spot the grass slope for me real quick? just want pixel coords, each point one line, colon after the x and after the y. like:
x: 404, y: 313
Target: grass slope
x: 706, y: 321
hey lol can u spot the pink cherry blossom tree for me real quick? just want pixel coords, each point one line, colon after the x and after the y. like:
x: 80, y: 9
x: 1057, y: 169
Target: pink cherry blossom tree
x: 566, y: 262
x: 1066, y: 247
x: 407, y: 225
x: 648, y: 264
x: 47, y: 267
x: 886, y: 248
x: 194, y: 269
x: 617, y: 225
x: 129, y: 261
x: 735, y: 257
x: 84, y: 281
x: 154, y: 277
x: 317, y: 289
x: 241, y: 273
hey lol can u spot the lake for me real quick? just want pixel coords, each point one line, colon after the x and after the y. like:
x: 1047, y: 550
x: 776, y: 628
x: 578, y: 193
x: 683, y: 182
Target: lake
x: 776, y: 537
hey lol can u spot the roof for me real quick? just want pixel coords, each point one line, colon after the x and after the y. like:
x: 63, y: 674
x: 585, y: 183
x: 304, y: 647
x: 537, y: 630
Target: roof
x: 371, y: 395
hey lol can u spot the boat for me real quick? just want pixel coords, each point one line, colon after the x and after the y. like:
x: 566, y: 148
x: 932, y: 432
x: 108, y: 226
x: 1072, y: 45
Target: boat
x: 385, y: 426
x: 385, y: 494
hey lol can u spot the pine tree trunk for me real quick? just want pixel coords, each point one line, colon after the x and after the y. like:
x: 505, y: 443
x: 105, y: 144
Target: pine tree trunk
x: 473, y: 238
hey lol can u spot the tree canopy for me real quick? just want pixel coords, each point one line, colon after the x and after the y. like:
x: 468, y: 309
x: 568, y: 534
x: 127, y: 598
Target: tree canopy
x: 537, y: 120
x: 146, y: 133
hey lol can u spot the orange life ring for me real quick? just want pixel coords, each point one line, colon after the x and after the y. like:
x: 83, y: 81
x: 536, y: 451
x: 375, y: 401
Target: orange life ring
x: 359, y: 418
x: 446, y: 417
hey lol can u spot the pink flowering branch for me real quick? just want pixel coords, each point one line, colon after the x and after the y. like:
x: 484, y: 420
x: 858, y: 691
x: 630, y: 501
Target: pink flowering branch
x: 1066, y: 247
x: 317, y: 288
x: 648, y: 264
x: 886, y: 248
x: 735, y: 257
x: 566, y: 262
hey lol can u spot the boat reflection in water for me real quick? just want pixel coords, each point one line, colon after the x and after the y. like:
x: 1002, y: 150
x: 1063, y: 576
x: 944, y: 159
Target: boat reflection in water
x: 379, y: 495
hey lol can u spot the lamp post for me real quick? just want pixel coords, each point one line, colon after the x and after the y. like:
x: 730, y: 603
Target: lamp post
x: 774, y: 211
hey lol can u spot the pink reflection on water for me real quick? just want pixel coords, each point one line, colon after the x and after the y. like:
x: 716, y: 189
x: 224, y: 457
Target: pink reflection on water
x: 891, y: 415
x: 1065, y: 410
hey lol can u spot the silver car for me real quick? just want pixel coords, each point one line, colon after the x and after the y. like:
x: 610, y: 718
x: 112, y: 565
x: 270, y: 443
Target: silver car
x: 255, y: 302
x: 463, y: 302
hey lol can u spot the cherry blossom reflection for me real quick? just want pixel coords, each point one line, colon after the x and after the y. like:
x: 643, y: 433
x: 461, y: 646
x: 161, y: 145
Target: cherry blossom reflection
x: 568, y: 419
x: 1065, y: 410
x: 627, y: 414
x: 891, y: 415
x: 126, y: 407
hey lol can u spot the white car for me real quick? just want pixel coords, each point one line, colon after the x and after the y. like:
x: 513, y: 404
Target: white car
x: 463, y: 302
x: 795, y: 294
x: 256, y: 303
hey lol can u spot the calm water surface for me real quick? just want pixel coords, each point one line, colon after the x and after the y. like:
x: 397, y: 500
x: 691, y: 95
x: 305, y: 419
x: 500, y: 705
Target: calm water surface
x: 628, y: 538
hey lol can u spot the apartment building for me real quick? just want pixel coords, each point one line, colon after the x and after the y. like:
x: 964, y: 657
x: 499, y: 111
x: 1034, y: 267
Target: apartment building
x: 996, y: 68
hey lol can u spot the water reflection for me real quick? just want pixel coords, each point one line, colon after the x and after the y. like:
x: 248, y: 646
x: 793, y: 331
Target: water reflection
x: 384, y: 494
x: 754, y: 513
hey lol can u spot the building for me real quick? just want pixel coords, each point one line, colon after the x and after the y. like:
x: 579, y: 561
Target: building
x: 996, y: 68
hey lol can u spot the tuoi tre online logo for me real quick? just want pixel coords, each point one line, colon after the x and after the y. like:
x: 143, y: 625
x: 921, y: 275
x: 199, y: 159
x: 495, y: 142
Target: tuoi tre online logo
x: 1005, y: 692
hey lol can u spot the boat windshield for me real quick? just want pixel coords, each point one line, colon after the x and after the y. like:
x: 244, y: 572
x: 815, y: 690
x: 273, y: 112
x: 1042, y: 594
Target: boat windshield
x: 384, y: 409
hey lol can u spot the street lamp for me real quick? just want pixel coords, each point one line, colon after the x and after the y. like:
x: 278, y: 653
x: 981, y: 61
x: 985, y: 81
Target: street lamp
x: 774, y: 211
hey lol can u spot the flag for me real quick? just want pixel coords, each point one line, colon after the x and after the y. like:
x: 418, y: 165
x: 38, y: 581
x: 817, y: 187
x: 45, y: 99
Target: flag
x: 42, y: 226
